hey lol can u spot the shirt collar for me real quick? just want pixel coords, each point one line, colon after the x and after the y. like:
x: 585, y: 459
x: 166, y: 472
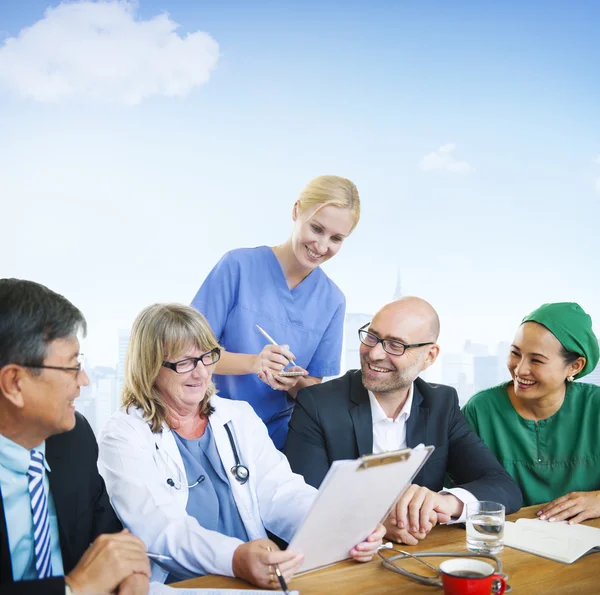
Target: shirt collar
x: 16, y: 458
x: 378, y: 414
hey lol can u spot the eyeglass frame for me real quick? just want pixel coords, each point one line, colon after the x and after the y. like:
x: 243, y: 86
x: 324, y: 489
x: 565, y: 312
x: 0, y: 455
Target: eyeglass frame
x: 76, y: 369
x: 405, y: 346
x: 173, y: 365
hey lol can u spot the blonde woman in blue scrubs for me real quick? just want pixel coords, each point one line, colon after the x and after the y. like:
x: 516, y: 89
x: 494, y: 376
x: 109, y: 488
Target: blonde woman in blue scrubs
x: 283, y: 290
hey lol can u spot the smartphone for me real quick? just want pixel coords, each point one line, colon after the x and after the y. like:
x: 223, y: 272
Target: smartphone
x: 290, y: 374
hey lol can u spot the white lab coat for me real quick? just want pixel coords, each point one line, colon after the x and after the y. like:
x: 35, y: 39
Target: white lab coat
x: 136, y: 465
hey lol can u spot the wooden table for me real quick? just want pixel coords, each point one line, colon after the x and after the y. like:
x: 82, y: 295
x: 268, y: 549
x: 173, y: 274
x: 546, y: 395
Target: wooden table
x: 528, y: 574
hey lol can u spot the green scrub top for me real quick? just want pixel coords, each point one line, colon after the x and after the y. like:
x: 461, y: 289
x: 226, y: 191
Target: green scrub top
x: 548, y: 458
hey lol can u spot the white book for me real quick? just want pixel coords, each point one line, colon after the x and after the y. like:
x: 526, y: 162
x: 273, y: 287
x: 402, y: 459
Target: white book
x: 558, y: 541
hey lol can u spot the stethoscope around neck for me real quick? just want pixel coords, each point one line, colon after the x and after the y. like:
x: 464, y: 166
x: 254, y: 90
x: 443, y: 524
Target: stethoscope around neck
x: 239, y: 471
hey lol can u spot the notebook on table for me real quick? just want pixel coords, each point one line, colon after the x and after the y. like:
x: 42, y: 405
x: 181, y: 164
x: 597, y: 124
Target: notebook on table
x: 558, y: 541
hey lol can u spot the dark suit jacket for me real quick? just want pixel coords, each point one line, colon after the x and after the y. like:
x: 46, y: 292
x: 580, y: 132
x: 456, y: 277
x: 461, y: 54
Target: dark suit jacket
x: 82, y: 507
x: 332, y: 421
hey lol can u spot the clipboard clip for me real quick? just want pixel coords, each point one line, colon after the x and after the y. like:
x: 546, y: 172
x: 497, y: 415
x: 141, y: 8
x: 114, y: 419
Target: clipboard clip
x: 384, y: 458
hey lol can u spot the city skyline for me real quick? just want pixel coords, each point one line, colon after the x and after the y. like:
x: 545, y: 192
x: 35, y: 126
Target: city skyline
x: 473, y: 369
x: 143, y: 140
x: 476, y: 367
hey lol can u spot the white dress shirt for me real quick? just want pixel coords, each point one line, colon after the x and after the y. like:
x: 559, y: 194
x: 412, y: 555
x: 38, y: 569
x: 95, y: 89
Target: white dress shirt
x: 390, y: 434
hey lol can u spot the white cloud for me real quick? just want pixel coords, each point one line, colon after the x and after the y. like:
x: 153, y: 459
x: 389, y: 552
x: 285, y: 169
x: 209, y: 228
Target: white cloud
x: 444, y: 160
x: 104, y: 52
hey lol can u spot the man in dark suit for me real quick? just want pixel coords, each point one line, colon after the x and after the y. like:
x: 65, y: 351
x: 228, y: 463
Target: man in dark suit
x: 53, y: 502
x: 385, y: 406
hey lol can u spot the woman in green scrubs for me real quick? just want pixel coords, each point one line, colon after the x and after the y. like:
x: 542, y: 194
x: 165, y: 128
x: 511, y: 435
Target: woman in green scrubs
x: 542, y: 426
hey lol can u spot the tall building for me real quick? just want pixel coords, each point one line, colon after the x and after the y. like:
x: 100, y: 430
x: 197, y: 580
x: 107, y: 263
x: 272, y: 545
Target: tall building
x: 457, y: 371
x: 98, y: 401
x: 485, y: 372
x: 502, y: 351
x: 353, y: 321
x: 475, y: 349
x: 123, y: 342
x: 85, y: 404
x: 398, y: 289
x: 593, y: 377
x: 104, y: 388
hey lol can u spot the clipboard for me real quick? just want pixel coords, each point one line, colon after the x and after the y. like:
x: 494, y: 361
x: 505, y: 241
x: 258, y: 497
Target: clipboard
x: 354, y: 496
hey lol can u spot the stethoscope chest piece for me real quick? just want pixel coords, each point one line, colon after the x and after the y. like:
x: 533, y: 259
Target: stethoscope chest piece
x: 241, y: 473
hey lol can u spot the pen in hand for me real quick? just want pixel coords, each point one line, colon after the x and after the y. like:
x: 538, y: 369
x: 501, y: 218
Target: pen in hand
x: 154, y: 556
x: 282, y: 582
x: 271, y: 340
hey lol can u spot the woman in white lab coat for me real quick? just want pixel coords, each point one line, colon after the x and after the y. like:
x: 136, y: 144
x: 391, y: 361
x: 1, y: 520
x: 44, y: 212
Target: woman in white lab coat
x: 197, y: 477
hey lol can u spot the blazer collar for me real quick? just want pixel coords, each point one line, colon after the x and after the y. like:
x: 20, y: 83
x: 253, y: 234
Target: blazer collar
x: 60, y: 482
x: 5, y: 560
x: 417, y: 425
x: 360, y: 413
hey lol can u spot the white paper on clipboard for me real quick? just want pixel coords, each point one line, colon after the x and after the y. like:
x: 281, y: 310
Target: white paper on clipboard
x: 354, y: 496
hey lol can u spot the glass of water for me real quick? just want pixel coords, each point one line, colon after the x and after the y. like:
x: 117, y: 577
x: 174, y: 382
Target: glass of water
x: 485, y: 527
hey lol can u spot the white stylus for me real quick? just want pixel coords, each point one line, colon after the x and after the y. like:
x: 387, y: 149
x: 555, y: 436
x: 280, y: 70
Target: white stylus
x: 271, y: 340
x: 153, y: 556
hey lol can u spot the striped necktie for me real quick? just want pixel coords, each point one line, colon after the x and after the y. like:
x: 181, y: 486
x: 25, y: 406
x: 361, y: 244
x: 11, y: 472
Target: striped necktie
x: 39, y: 510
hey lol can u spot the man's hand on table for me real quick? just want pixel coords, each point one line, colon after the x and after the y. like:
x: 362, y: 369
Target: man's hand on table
x: 418, y: 511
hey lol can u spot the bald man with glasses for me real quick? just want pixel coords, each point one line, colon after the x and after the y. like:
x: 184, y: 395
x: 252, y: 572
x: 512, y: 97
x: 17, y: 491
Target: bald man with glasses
x: 385, y: 406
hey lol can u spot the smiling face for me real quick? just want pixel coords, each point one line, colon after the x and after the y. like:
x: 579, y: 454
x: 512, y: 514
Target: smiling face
x: 49, y: 396
x: 319, y: 233
x: 183, y: 392
x: 408, y: 321
x: 536, y: 363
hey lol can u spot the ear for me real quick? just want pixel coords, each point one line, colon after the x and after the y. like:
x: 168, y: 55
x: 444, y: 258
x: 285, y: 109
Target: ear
x: 432, y: 354
x: 11, y: 379
x: 576, y: 367
x: 295, y: 210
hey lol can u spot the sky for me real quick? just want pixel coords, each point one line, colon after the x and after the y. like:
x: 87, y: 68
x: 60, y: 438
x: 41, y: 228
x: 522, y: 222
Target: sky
x: 141, y: 141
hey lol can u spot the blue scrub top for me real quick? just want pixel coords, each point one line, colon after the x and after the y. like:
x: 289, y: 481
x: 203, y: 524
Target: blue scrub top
x: 248, y: 287
x: 210, y: 502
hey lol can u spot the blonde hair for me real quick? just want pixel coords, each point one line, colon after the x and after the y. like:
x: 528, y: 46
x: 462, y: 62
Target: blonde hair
x: 331, y: 191
x: 160, y: 333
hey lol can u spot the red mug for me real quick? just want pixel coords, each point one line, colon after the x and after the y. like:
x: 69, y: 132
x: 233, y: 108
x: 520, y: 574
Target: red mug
x: 467, y: 576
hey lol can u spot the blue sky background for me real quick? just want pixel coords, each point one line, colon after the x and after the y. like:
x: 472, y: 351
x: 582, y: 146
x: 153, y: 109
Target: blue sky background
x: 118, y: 206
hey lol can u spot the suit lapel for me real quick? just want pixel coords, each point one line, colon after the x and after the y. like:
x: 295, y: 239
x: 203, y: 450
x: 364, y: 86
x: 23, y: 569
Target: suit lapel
x: 6, y: 574
x: 418, y: 422
x: 360, y: 413
x: 65, y: 513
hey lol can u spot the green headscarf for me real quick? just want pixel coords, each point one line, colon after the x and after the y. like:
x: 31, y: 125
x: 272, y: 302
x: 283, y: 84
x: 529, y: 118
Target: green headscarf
x: 569, y: 323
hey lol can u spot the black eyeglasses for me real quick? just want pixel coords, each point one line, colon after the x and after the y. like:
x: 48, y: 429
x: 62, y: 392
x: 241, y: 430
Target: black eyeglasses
x: 76, y: 368
x: 189, y: 363
x: 390, y: 346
